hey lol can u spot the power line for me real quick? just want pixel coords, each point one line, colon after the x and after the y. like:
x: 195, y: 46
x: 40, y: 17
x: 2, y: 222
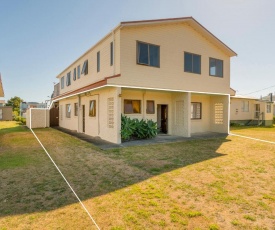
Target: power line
x: 259, y: 90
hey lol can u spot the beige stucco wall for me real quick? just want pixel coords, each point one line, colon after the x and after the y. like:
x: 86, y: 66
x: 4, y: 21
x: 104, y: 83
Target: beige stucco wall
x: 174, y: 40
x: 179, y: 122
x: 164, y: 98
x: 207, y: 122
x: 237, y: 114
x: 106, y: 70
x: 6, y: 113
x: 37, y: 118
x: 97, y: 126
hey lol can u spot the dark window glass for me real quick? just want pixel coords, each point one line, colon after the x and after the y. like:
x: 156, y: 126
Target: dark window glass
x: 74, y: 77
x: 196, y: 64
x: 62, y: 83
x: 148, y: 54
x: 188, y: 62
x: 150, y: 107
x: 98, y: 61
x: 132, y: 106
x: 111, y: 53
x: 154, y: 55
x: 215, y: 67
x: 143, y: 54
x: 78, y: 71
x: 85, y: 68
x: 195, y: 110
x: 68, y: 79
x: 192, y: 63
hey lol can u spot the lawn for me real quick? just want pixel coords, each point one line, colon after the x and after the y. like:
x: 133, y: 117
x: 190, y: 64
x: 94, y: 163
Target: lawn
x: 202, y: 184
x: 266, y: 133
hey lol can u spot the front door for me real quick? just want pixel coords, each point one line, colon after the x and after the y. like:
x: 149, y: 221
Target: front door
x: 163, y: 116
x: 257, y: 110
x: 83, y: 118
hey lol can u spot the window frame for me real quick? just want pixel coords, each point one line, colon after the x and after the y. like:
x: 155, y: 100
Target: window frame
x: 68, y: 110
x: 111, y: 54
x: 76, y: 109
x: 85, y: 68
x: 147, y: 110
x: 68, y: 79
x: 62, y: 82
x: 244, y: 107
x: 137, y: 54
x: 140, y: 112
x: 197, y: 103
x: 215, y: 59
x: 92, y: 113
x: 98, y: 61
x: 74, y: 74
x: 193, y: 54
x: 78, y: 72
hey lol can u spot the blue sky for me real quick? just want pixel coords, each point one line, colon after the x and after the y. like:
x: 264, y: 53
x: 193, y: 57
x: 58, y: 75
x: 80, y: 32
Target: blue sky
x: 38, y: 39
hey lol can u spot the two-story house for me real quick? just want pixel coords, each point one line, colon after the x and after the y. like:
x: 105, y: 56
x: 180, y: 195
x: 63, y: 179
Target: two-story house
x: 173, y: 71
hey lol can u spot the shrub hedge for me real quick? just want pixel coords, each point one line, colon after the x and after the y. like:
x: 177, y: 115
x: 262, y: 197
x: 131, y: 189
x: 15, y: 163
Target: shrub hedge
x: 137, y: 129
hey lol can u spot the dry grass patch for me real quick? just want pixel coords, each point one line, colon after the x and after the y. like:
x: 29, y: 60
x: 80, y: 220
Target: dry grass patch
x: 264, y: 133
x: 204, y: 184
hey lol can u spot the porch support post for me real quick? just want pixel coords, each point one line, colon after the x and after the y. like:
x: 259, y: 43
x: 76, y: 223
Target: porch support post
x: 187, y: 114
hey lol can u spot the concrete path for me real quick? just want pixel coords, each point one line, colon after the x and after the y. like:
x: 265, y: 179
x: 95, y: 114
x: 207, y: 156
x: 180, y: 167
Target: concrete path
x: 161, y: 138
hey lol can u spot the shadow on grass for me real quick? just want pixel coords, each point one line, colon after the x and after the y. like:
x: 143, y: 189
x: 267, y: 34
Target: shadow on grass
x: 92, y: 172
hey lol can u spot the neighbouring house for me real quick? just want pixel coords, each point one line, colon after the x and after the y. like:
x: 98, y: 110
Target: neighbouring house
x: 250, y: 111
x: 5, y: 111
x: 24, y: 106
x: 173, y: 71
x: 271, y: 97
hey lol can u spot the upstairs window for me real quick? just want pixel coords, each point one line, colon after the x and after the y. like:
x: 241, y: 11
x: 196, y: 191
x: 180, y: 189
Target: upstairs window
x: 148, y: 54
x: 62, y: 83
x: 111, y: 53
x: 195, y: 110
x: 98, y: 61
x: 192, y: 63
x: 68, y: 110
x: 78, y: 71
x: 68, y: 79
x: 85, y: 68
x: 74, y: 77
x: 92, y: 108
x: 132, y: 106
x: 215, y: 67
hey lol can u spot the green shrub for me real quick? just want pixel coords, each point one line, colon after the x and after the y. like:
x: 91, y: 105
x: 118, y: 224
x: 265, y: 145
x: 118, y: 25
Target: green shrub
x: 127, y: 128
x: 137, y: 129
x: 274, y: 120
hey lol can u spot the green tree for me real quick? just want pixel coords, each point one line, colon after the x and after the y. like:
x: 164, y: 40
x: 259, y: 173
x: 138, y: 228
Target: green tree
x: 15, y: 103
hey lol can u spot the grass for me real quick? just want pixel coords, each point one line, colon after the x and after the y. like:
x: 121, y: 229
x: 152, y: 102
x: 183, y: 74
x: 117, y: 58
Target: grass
x: 265, y: 133
x: 205, y: 184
